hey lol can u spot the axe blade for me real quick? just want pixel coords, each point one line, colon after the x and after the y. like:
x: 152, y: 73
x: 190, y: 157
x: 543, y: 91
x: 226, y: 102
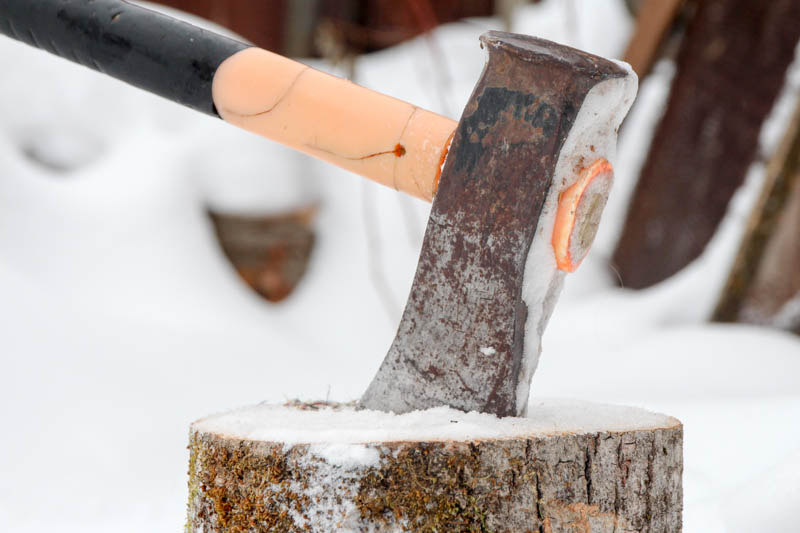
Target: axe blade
x: 462, y: 338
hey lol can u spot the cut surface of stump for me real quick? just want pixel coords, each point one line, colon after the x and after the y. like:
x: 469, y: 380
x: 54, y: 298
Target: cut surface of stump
x: 567, y: 467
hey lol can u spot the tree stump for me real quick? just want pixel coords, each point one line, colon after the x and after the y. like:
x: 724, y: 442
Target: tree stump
x: 567, y: 467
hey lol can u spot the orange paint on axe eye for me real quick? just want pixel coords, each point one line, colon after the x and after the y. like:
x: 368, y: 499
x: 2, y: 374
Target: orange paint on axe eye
x: 579, y: 208
x: 442, y: 159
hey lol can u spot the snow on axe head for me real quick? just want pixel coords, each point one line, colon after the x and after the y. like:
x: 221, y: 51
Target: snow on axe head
x: 517, y: 205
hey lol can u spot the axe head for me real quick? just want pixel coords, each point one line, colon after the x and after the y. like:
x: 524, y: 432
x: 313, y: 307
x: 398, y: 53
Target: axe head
x: 531, y: 147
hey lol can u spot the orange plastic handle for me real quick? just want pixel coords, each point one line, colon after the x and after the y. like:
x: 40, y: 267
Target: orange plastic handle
x: 374, y: 135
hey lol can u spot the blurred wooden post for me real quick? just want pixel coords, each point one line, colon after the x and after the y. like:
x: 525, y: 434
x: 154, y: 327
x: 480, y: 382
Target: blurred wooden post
x: 766, y: 273
x: 731, y: 67
x: 653, y: 21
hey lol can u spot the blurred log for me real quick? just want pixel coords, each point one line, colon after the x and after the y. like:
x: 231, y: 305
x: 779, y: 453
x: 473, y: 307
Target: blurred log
x: 765, y: 278
x: 653, y: 20
x: 289, y: 28
x: 264, y: 23
x: 731, y: 67
x: 548, y: 480
x: 270, y: 253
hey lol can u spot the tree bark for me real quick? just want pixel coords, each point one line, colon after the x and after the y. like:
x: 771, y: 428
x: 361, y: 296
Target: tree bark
x: 559, y: 479
x: 731, y: 67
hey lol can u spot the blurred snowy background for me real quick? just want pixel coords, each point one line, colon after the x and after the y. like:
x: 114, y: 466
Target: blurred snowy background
x: 121, y: 321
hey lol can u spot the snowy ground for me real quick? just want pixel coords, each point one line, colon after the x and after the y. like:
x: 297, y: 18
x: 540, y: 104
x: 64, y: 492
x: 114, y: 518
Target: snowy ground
x: 121, y: 322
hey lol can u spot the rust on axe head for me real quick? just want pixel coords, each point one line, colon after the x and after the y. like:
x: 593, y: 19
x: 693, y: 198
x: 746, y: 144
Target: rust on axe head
x: 470, y: 334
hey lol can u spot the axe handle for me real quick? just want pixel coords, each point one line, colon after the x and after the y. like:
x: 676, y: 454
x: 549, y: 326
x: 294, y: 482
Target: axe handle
x: 146, y: 49
x: 374, y: 135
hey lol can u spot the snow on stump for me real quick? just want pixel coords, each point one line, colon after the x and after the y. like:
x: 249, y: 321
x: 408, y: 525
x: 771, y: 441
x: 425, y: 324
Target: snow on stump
x: 567, y: 467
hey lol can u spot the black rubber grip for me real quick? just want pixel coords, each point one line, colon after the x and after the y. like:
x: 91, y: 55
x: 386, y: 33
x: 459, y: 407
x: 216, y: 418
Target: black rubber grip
x: 149, y: 50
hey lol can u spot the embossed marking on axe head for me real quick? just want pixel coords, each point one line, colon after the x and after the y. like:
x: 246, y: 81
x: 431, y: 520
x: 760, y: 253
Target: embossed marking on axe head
x: 517, y: 206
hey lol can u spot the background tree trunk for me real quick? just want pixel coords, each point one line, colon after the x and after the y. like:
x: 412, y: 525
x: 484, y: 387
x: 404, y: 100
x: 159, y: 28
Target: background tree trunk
x: 731, y: 67
x: 559, y: 479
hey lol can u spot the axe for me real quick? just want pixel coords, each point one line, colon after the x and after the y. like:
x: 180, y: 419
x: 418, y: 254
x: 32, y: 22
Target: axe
x: 518, y: 184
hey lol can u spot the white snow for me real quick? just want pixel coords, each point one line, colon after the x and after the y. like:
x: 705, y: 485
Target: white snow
x: 121, y: 322
x: 593, y: 135
x: 332, y: 429
x: 787, y: 316
x: 344, y: 453
x: 773, y: 129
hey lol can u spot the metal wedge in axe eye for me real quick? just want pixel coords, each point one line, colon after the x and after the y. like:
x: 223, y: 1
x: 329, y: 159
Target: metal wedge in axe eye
x: 515, y: 204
